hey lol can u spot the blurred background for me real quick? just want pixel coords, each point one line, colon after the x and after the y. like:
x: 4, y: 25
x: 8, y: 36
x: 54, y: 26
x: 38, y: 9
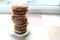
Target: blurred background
x: 42, y: 13
x: 35, y: 2
x: 36, y: 6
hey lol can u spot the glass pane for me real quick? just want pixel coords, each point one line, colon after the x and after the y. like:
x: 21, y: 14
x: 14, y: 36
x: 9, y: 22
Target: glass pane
x: 34, y: 2
x: 3, y: 2
x: 44, y: 2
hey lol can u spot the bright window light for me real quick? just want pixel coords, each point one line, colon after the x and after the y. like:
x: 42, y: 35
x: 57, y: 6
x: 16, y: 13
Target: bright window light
x: 44, y: 2
x: 36, y: 2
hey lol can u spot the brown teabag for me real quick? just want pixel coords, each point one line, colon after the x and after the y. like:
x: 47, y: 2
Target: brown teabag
x: 19, y: 18
x: 19, y: 9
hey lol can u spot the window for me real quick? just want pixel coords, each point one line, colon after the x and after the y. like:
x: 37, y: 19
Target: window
x: 3, y: 2
x: 44, y: 2
x: 35, y: 2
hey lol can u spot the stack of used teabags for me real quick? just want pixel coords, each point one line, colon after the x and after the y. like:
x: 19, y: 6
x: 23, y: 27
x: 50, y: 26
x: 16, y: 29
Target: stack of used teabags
x: 19, y: 18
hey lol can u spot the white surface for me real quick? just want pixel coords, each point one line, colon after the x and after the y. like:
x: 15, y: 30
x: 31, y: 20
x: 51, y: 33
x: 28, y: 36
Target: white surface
x: 54, y: 32
x: 38, y: 29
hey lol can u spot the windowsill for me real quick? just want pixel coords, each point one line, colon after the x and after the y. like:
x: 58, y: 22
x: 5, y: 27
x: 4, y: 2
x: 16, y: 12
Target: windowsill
x: 45, y: 9
x: 33, y: 9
